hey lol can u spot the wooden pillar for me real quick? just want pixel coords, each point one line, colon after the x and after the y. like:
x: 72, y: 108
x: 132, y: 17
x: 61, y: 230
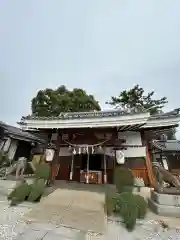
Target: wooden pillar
x: 114, y: 164
x: 105, y: 170
x: 55, y: 162
x: 72, y: 167
x: 87, y: 176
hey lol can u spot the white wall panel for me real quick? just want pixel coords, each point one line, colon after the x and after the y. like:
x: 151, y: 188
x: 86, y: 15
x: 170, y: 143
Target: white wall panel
x: 132, y: 138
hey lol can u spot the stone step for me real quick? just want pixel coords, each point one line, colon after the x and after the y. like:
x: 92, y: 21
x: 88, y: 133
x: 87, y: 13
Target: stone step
x: 164, y: 210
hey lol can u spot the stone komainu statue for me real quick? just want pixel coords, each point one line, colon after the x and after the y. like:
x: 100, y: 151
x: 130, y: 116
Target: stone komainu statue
x: 21, y: 165
x: 162, y: 175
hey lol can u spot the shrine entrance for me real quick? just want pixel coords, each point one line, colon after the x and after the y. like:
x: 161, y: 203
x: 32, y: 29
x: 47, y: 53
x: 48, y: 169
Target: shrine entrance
x: 94, y: 162
x: 94, y: 173
x: 88, y: 166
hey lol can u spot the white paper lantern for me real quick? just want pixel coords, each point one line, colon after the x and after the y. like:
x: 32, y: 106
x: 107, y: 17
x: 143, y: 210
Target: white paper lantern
x: 49, y: 154
x: 84, y: 150
x: 120, y: 157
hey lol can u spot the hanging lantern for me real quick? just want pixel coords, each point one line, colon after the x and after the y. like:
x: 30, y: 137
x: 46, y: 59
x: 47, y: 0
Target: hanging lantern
x: 83, y: 150
x: 74, y: 151
x: 92, y: 149
x: 99, y: 149
x: 49, y: 155
x: 79, y: 150
x: 120, y: 157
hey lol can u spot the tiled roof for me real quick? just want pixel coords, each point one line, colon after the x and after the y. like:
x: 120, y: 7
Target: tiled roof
x: 99, y: 114
x: 77, y: 115
x: 2, y: 124
x: 173, y: 113
x: 17, y: 132
x: 169, y: 145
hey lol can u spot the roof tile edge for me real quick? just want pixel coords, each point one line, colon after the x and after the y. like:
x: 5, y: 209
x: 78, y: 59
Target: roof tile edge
x: 77, y: 115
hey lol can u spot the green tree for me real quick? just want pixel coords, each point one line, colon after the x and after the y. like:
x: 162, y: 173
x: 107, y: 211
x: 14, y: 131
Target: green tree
x: 135, y: 100
x: 51, y: 102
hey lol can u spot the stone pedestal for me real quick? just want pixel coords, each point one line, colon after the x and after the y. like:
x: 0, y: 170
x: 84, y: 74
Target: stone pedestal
x: 164, y: 204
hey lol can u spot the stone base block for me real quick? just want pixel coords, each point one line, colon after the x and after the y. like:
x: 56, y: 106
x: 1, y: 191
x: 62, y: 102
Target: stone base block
x: 165, y: 199
x: 7, y: 184
x: 164, y: 210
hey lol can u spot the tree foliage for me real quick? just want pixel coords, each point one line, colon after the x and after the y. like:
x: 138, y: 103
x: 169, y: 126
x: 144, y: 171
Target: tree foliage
x: 51, y: 102
x: 135, y: 99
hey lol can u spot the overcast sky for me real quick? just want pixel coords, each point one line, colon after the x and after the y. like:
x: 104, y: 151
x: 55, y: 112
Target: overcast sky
x: 103, y: 46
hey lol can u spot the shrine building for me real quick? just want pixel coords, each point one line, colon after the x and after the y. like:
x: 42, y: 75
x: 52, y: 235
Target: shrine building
x: 89, y: 145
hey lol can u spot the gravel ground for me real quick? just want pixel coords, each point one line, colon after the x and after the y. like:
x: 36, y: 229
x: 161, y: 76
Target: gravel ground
x: 10, y: 224
x: 13, y: 228
x: 146, y: 229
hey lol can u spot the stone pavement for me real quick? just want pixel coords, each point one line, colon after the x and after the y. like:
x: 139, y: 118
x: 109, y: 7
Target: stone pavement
x: 82, y: 210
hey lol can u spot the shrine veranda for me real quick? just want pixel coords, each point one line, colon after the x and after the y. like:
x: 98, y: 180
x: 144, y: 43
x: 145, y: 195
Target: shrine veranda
x: 90, y: 145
